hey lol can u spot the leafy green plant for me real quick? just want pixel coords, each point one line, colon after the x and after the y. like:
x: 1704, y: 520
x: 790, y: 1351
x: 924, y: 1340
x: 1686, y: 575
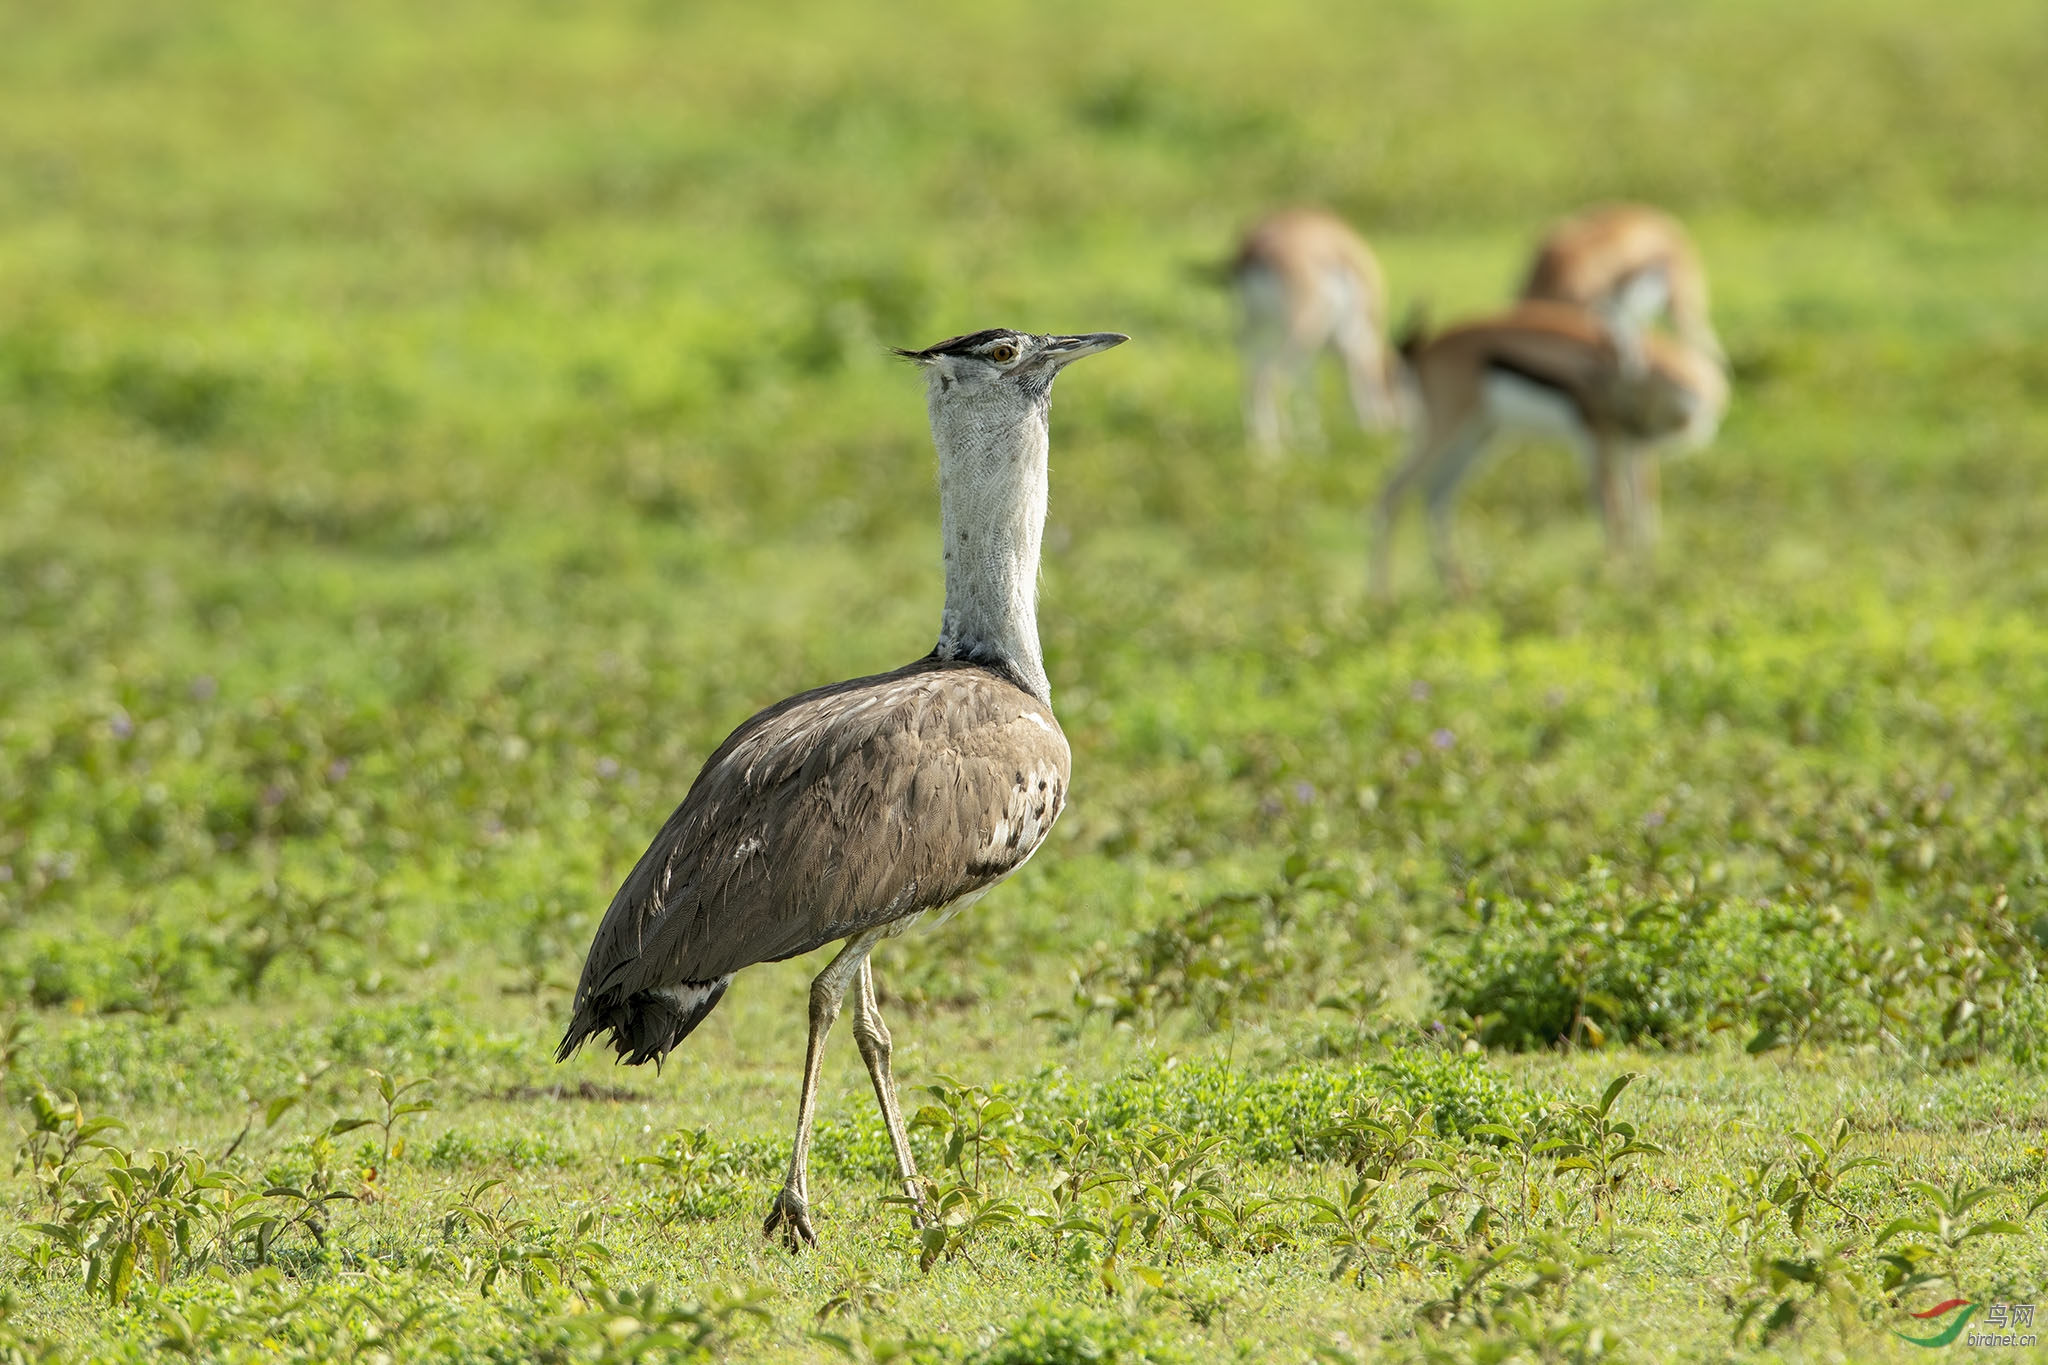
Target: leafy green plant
x: 19, y: 1347
x: 1516, y: 1301
x: 868, y: 1343
x: 694, y: 1176
x: 61, y: 1140
x: 1178, y: 1189
x: 951, y: 1216
x: 1353, y: 1221
x: 1537, y: 1150
x: 1945, y: 1224
x: 164, y: 1212
x: 1793, y: 1187
x: 855, y: 1296
x: 622, y: 1326
x: 392, y: 1092
x: 1785, y: 1290
x: 1077, y: 1336
x: 302, y: 1196
x: 114, y: 1212
x: 1078, y: 1159
x: 541, y: 1260
x: 286, y: 922
x: 1459, y: 1206
x: 14, y: 1032
x: 974, y: 1125
x: 1226, y: 952
x: 1607, y: 1149
x: 1380, y: 1139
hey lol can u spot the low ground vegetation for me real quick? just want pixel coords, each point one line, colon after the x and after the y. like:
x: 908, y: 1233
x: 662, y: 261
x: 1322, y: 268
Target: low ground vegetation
x: 408, y: 474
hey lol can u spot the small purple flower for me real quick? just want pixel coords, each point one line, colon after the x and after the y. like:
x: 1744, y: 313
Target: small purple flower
x: 1304, y: 793
x: 203, y: 688
x: 273, y: 795
x: 1442, y: 739
x: 337, y: 770
x: 1418, y: 690
x: 607, y: 767
x: 1653, y: 820
x: 6, y: 873
x: 121, y: 726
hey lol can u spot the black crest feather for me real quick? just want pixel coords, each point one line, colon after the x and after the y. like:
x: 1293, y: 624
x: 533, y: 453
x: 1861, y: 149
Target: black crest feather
x: 960, y: 345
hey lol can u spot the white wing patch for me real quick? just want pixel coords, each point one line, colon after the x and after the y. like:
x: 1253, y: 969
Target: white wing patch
x: 688, y: 996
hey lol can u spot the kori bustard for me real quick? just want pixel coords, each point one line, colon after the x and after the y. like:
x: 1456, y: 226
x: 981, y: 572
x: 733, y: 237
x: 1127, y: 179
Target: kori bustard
x: 853, y: 811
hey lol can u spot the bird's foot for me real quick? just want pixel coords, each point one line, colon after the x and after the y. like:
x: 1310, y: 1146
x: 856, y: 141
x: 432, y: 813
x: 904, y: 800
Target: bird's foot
x: 791, y: 1216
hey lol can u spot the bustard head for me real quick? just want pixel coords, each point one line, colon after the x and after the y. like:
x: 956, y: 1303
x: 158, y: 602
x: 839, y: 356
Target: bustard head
x: 990, y: 395
x: 1001, y: 369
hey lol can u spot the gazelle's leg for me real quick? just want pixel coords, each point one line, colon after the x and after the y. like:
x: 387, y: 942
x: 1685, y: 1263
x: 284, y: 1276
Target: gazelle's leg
x: 1440, y: 490
x: 1645, y: 516
x: 872, y: 1037
x: 1367, y: 372
x: 1388, y: 509
x: 1441, y: 459
x: 791, y: 1210
x: 1304, y: 404
x: 1262, y: 302
x: 1610, y: 479
x: 1261, y: 405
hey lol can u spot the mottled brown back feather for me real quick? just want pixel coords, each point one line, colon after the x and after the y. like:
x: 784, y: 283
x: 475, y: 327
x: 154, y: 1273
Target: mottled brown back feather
x: 835, y: 811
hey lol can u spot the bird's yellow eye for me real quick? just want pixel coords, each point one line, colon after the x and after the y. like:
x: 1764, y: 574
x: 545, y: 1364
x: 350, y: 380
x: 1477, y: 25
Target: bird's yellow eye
x: 1003, y: 354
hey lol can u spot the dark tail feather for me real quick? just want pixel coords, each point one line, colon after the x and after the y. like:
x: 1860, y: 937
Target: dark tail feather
x: 647, y: 1026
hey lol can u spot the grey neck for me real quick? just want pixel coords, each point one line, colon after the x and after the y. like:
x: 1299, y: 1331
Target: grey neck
x: 992, y: 498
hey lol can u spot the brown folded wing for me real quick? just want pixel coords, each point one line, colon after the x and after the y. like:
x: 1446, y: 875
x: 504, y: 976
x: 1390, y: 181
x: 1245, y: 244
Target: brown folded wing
x: 835, y: 811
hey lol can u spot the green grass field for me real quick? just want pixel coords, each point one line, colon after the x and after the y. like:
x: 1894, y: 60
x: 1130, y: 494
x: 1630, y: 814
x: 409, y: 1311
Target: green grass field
x: 426, y: 431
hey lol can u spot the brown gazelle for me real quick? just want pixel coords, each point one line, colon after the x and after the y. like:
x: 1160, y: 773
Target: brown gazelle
x: 1549, y: 369
x: 1305, y: 282
x: 853, y: 811
x: 1631, y: 264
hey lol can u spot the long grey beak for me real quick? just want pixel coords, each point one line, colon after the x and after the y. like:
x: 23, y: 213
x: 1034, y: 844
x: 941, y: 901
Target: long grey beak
x: 1061, y: 352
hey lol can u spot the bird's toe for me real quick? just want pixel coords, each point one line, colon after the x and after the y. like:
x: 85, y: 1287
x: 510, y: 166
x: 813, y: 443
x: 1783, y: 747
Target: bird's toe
x: 790, y: 1216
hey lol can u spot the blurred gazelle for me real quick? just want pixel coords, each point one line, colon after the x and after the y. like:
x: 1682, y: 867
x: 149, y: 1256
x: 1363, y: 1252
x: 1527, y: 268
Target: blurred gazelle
x: 1306, y: 281
x: 1549, y: 369
x: 1630, y: 264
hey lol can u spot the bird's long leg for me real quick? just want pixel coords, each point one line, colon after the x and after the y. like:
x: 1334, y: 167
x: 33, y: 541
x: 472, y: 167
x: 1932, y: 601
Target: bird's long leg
x: 872, y: 1036
x: 791, y: 1211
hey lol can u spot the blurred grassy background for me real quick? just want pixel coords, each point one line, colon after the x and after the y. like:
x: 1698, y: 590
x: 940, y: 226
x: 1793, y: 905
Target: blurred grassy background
x: 424, y: 432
